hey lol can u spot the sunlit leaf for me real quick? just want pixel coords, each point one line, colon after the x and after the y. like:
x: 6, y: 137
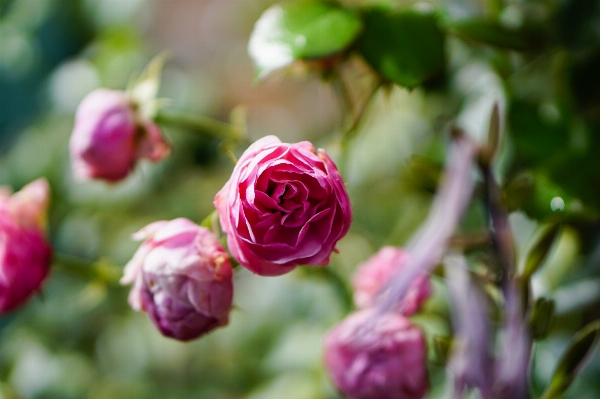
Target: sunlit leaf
x: 406, y: 47
x: 310, y: 29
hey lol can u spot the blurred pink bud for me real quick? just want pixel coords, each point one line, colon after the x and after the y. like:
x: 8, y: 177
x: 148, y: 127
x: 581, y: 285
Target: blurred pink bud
x: 109, y: 137
x: 285, y: 205
x: 182, y: 278
x: 373, y: 276
x: 25, y: 255
x: 372, y: 356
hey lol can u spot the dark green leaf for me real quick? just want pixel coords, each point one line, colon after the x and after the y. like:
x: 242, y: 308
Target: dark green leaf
x: 406, y: 47
x: 442, y: 345
x: 542, y: 199
x: 572, y: 360
x: 494, y: 34
x: 541, y: 318
x: 540, y: 249
x: 311, y: 29
x: 488, y: 150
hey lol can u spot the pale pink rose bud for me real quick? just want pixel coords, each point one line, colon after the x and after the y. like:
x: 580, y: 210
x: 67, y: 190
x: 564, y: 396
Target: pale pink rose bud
x: 372, y: 356
x: 285, y: 205
x: 182, y: 278
x: 25, y: 254
x: 110, y: 136
x: 373, y: 275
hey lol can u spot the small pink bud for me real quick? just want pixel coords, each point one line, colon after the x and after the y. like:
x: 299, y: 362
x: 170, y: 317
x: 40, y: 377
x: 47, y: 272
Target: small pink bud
x: 109, y: 137
x: 373, y: 275
x: 25, y: 255
x: 182, y: 278
x: 371, y: 356
x: 284, y: 205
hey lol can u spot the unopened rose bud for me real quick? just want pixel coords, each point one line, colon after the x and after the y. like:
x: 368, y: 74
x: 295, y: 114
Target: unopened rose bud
x: 285, y: 205
x: 25, y: 254
x: 372, y: 356
x: 372, y: 276
x: 109, y: 137
x: 182, y: 278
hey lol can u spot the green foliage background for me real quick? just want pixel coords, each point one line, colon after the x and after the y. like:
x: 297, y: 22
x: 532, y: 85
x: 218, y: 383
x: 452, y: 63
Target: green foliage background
x: 538, y: 59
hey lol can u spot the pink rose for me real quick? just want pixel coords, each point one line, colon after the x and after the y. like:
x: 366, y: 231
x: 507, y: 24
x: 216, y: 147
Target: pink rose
x: 372, y: 356
x: 25, y: 254
x: 182, y: 278
x: 109, y: 137
x: 285, y: 205
x: 373, y: 275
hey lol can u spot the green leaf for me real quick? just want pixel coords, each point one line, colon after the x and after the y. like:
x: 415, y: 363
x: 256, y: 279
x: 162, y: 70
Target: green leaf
x: 441, y: 346
x: 310, y: 29
x: 542, y: 199
x: 406, y: 47
x: 494, y: 34
x: 572, y: 360
x: 540, y: 250
x: 541, y: 318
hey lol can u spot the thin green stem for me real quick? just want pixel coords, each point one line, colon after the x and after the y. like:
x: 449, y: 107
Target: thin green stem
x: 198, y: 123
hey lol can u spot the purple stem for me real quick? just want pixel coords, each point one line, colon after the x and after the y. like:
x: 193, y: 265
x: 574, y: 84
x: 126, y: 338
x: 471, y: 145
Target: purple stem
x: 472, y: 362
x: 429, y: 243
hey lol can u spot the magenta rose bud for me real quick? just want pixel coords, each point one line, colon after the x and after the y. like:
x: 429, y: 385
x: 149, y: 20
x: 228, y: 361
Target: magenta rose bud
x: 373, y: 275
x: 25, y: 254
x: 109, y: 137
x: 371, y: 356
x: 285, y: 205
x: 182, y: 278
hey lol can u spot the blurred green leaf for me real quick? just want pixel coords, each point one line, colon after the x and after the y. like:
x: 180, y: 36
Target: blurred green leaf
x: 541, y: 318
x: 488, y: 151
x: 494, y: 34
x: 441, y: 346
x: 421, y: 174
x: 573, y: 360
x: 542, y: 199
x: 540, y: 250
x: 584, y: 84
x: 406, y: 47
x: 300, y: 30
x: 540, y: 134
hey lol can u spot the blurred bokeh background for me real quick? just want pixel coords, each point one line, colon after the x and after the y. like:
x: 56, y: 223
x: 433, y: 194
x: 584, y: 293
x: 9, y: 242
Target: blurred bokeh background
x: 80, y: 339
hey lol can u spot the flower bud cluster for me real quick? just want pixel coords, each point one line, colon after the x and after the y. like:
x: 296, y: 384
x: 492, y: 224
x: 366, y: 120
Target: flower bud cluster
x: 380, y: 355
x: 285, y: 205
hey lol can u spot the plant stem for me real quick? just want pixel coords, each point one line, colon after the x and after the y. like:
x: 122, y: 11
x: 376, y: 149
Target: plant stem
x: 198, y: 123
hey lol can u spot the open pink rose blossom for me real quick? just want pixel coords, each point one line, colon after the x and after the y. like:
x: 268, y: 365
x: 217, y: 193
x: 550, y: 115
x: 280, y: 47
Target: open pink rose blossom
x: 285, y: 205
x: 373, y: 275
x: 25, y: 254
x: 182, y: 278
x: 109, y: 137
x: 371, y: 356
